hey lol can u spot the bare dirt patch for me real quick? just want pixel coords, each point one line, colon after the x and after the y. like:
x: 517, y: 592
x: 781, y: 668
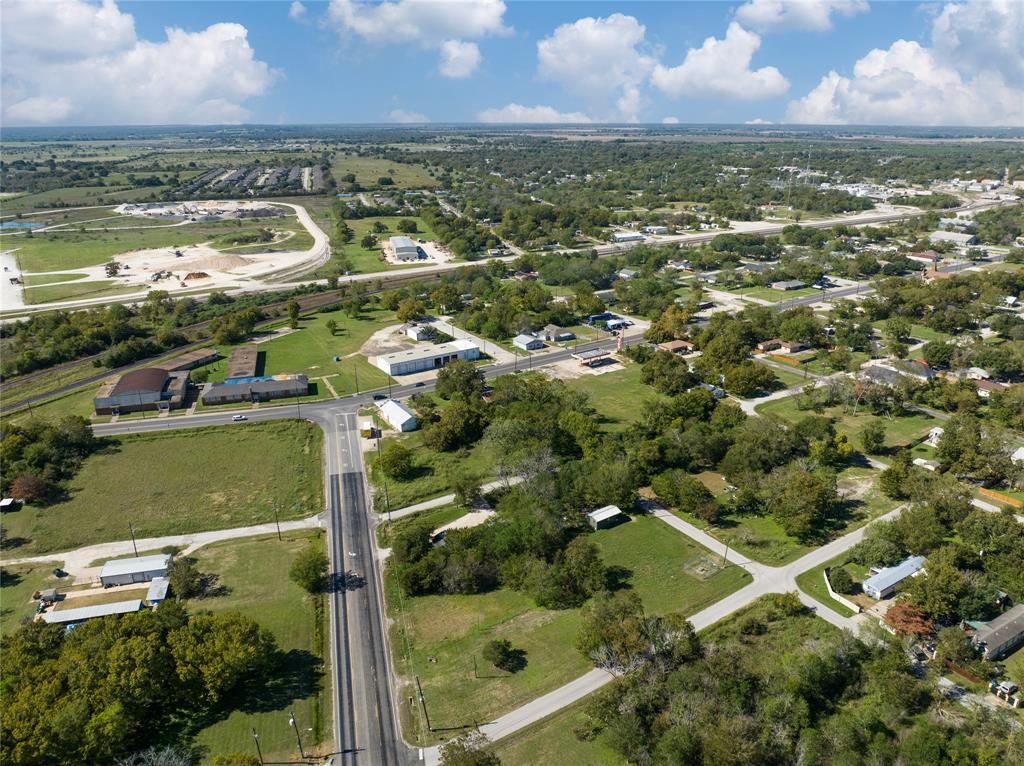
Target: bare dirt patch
x: 386, y: 341
x: 570, y: 369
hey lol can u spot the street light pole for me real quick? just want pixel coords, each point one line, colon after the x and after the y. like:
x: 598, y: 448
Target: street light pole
x: 277, y: 521
x: 256, y: 739
x: 298, y: 739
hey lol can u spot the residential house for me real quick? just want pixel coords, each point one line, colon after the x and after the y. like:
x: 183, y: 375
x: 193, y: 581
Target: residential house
x: 883, y: 583
x: 787, y: 284
x: 527, y: 342
x: 1002, y: 635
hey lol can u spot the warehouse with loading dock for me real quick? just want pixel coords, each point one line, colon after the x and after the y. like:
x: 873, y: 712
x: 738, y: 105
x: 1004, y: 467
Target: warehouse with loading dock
x: 430, y: 357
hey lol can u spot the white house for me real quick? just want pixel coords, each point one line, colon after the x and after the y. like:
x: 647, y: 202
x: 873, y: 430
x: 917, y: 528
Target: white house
x: 397, y: 415
x: 527, y: 342
x: 418, y: 331
x: 655, y: 230
x: 883, y: 583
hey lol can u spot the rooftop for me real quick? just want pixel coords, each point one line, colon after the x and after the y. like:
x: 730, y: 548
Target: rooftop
x: 890, y: 576
x: 395, y: 412
x: 82, y: 613
x: 601, y: 514
x: 401, y: 241
x: 242, y: 362
x: 429, y: 350
x: 1004, y: 627
x: 146, y: 380
x: 590, y: 353
x: 139, y: 564
x: 158, y: 589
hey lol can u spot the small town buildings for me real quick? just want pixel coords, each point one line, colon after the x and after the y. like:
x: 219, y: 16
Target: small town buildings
x: 134, y: 570
x: 988, y: 387
x: 927, y: 257
x: 883, y: 583
x: 157, y: 591
x: 627, y: 236
x: 960, y: 239
x: 793, y: 346
x: 934, y: 435
x: 655, y: 230
x: 150, y: 388
x: 757, y: 268
x: 258, y: 389
x: 81, y: 614
x: 605, y: 517
x: 192, y: 359
x: 8, y: 504
x: 242, y: 363
x: 788, y: 284
x: 928, y: 465
x: 527, y: 342
x: 404, y: 248
x: 715, y: 391
x: 616, y: 324
x: 676, y: 346
x: 553, y: 332
x: 397, y: 415
x: 591, y: 357
x: 432, y: 357
x: 627, y: 274
x: 769, y: 345
x: 883, y: 376
x: 418, y: 331
x: 958, y: 224
x: 1002, y: 635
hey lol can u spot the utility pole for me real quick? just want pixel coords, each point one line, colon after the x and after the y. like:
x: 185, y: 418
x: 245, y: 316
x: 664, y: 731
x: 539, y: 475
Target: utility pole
x: 298, y: 739
x: 355, y: 369
x: 131, y: 529
x: 384, y: 482
x: 256, y: 739
x: 277, y: 521
x: 423, y: 703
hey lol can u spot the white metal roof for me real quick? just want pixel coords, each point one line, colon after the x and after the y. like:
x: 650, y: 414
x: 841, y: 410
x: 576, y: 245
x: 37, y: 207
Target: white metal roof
x: 401, y: 242
x: 524, y: 338
x: 89, y: 612
x: 602, y: 514
x: 158, y: 589
x: 133, y: 565
x: 429, y: 351
x: 395, y: 413
x: 894, y: 575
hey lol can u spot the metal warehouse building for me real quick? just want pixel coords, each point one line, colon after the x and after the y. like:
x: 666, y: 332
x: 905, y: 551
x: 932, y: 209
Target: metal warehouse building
x: 405, y: 249
x: 151, y: 388
x: 134, y: 570
x: 427, y: 357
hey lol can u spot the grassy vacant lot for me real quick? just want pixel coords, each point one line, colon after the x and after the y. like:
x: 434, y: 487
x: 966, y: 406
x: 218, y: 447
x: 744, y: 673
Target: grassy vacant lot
x: 857, y: 358
x: 789, y: 378
x: 762, y: 539
x: 179, y: 482
x: 1015, y: 665
x: 551, y: 741
x: 254, y: 575
x: 918, y: 332
x: 617, y: 396
x: 431, y: 471
x: 667, y: 571
x: 64, y: 292
x: 768, y: 294
x: 80, y: 196
x: 899, y: 431
x: 17, y: 584
x: 367, y: 170
x: 311, y: 349
x: 49, y: 279
x: 437, y: 517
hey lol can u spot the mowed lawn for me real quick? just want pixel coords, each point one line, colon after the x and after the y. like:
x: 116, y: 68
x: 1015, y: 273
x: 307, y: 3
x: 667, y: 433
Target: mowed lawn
x: 438, y: 637
x: 900, y: 431
x: 17, y: 584
x: 310, y: 350
x: 618, y: 396
x: 763, y: 539
x: 431, y: 471
x: 360, y: 260
x: 179, y: 482
x: 368, y: 169
x: 254, y: 574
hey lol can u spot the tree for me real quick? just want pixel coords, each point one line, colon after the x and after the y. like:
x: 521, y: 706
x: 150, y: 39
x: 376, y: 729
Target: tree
x: 691, y: 496
x: 612, y: 629
x: 908, y: 620
x: 840, y: 580
x: 499, y: 652
x: 466, y: 488
x: 407, y: 226
x: 369, y: 241
x: 184, y: 578
x: 293, y: 313
x: 462, y: 377
x: 396, y: 461
x: 894, y: 480
x: 410, y: 310
x: 898, y: 329
x: 801, y: 500
x: 310, y: 567
x: 937, y: 354
x: 332, y: 326
x: 872, y: 437
x: 468, y: 750
x: 748, y: 378
x: 31, y: 488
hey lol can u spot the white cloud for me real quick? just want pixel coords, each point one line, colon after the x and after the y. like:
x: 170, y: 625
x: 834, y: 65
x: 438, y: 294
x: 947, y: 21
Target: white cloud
x: 599, y: 59
x: 968, y: 77
x: 90, y: 68
x: 459, y: 59
x: 401, y: 115
x: 296, y: 11
x: 815, y: 15
x: 429, y: 24
x: 669, y: 120
x: 721, y: 69
x: 758, y: 121
x: 527, y: 114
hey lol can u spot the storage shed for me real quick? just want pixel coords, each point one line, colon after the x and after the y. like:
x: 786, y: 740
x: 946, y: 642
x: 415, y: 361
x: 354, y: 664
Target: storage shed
x: 134, y: 570
x: 606, y: 517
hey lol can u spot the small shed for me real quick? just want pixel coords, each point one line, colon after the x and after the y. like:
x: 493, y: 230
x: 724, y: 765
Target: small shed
x: 157, y: 591
x: 606, y: 517
x: 397, y: 415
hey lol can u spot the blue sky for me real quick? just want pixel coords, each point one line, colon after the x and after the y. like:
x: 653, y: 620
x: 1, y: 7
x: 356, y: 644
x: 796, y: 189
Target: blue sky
x: 348, y: 61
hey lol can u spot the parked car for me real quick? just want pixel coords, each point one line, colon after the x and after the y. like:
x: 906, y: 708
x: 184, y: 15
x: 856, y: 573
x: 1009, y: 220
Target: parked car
x: 239, y: 418
x: 378, y: 397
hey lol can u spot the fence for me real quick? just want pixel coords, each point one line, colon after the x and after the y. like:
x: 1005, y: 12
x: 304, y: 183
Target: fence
x: 785, y: 360
x: 855, y: 608
x: 999, y: 496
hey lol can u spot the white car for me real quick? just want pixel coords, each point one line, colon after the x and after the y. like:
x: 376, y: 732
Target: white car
x: 239, y: 418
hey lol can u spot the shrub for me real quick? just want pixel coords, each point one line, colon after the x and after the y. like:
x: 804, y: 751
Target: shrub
x: 841, y: 580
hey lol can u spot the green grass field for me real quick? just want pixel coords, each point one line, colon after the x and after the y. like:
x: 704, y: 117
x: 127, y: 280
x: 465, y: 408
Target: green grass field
x: 17, y: 584
x: 359, y: 259
x: 1015, y: 665
x: 918, y: 332
x: 49, y: 279
x: 452, y: 630
x: 437, y: 517
x: 789, y: 377
x: 818, y: 367
x: 899, y: 431
x: 179, y: 482
x: 812, y: 582
x: 62, y: 292
x: 763, y: 539
x: 254, y: 572
x: 618, y: 396
x: 431, y: 471
x: 768, y: 294
x: 368, y: 169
